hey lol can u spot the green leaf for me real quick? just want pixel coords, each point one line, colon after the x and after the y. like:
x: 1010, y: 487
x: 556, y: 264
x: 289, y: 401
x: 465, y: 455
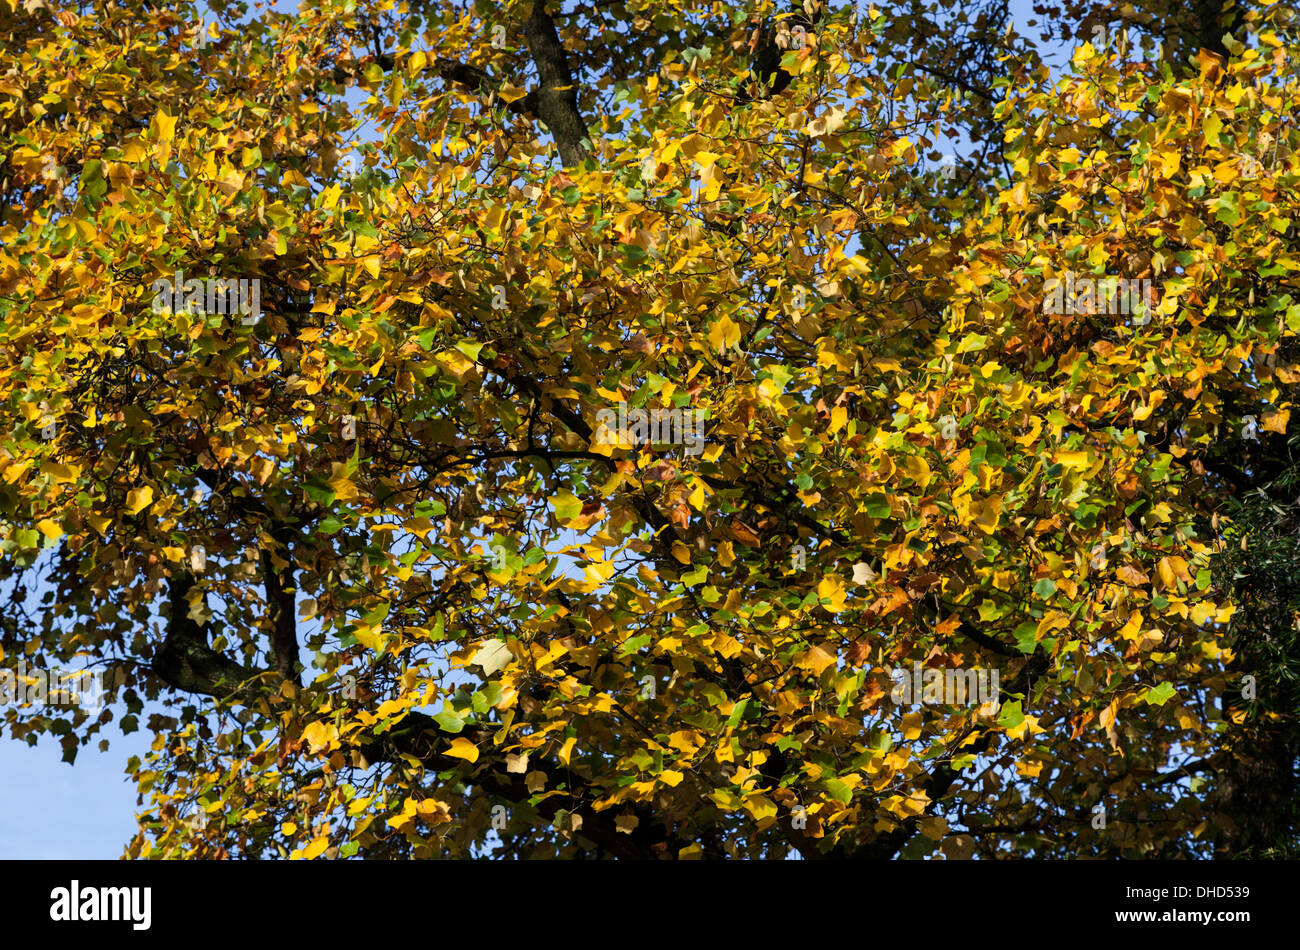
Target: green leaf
x: 839, y: 791
x: 319, y: 492
x: 1159, y: 695
x: 1011, y: 715
x: 878, y: 506
x: 471, y: 350
x: 737, y: 714
x: 1026, y: 636
x: 567, y: 506
x: 449, y: 721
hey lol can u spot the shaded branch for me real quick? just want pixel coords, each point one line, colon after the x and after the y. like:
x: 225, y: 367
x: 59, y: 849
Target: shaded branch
x: 556, y: 101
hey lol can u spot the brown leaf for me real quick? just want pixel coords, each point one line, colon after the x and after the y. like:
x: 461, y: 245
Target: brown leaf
x: 1132, y: 576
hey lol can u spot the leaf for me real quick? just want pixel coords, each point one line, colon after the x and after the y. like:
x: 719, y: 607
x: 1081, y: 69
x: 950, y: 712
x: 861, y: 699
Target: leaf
x: 319, y: 735
x: 567, y: 506
x: 878, y: 506
x: 138, y: 499
x: 1132, y: 576
x: 1159, y: 695
x: 816, y: 660
x: 830, y: 589
x: 1010, y: 716
x: 50, y: 529
x: 723, y: 334
x: 449, y: 721
x: 463, y: 749
x: 493, y: 656
x: 760, y: 806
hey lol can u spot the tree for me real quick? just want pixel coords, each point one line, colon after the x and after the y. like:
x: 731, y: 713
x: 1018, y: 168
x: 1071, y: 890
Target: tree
x: 606, y: 443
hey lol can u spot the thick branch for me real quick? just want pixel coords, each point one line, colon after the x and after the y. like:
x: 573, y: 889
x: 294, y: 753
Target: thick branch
x: 280, y: 603
x: 185, y: 661
x: 556, y: 101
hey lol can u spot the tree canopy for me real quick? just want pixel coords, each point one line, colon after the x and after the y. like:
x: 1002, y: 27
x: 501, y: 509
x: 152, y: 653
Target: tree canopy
x: 374, y: 565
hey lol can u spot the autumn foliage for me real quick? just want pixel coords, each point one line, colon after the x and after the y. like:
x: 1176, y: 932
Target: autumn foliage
x: 381, y: 584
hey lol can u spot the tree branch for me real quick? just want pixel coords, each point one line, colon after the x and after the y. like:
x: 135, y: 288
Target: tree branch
x: 556, y: 101
x: 185, y: 661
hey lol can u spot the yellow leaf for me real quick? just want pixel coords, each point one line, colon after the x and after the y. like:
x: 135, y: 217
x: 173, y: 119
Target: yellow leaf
x: 432, y: 811
x: 1211, y: 127
x: 1070, y: 202
x: 725, y: 644
x: 50, y: 529
x: 760, y: 806
x: 816, y: 660
x: 697, y: 497
x: 917, y: 469
x: 986, y: 513
x: 463, y: 749
x: 138, y: 499
x: 163, y: 127
x: 596, y: 573
x: 1276, y: 421
x: 59, y: 472
x: 1027, y: 725
x: 911, y: 726
x: 1166, y: 572
x: 316, y: 848
x: 831, y: 588
x: 319, y: 735
x: 1107, y: 717
x: 839, y: 416
x: 725, y: 332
